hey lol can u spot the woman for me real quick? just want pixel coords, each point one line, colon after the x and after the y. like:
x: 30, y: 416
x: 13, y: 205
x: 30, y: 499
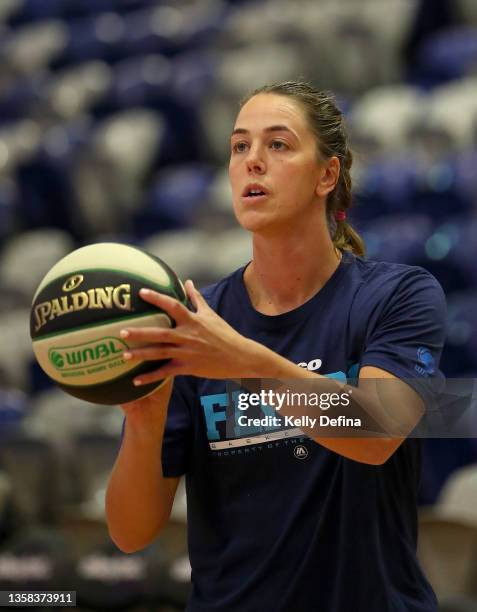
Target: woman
x: 279, y: 520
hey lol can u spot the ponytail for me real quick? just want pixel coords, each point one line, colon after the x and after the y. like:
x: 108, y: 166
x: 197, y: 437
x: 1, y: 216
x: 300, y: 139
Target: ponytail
x: 344, y: 237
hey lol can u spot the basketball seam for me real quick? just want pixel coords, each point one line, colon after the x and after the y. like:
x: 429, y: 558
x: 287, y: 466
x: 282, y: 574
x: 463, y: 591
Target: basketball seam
x: 103, y: 324
x: 156, y: 259
x: 128, y: 374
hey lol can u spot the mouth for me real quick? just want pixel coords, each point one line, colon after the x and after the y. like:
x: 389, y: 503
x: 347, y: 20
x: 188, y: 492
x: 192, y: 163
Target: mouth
x: 254, y: 192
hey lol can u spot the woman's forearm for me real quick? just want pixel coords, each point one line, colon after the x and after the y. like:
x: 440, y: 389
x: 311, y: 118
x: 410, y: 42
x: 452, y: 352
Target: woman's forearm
x: 139, y: 498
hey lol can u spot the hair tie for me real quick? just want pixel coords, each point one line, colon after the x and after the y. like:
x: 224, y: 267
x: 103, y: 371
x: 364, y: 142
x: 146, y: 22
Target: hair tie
x: 340, y: 215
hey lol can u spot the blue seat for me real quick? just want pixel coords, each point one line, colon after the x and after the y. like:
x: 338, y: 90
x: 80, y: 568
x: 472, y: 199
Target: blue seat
x: 385, y: 188
x: 149, y: 32
x: 33, y: 10
x: 441, y: 457
x: 460, y: 351
x: 447, y: 55
x: 438, y: 192
x: 94, y: 37
x: 194, y: 74
x: 147, y: 81
x: 397, y: 238
x: 139, y: 81
x: 171, y: 30
x: 21, y: 97
x: 75, y: 8
x: 444, y: 249
x: 174, y: 199
x: 465, y: 253
x: 7, y: 213
x: 406, y: 185
x: 448, y: 252
x: 466, y: 176
x: 13, y: 409
x: 45, y: 190
x: 38, y: 380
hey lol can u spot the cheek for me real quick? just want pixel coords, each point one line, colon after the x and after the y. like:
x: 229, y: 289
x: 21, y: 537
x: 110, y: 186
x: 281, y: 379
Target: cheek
x: 305, y: 178
x: 233, y: 175
x: 290, y: 177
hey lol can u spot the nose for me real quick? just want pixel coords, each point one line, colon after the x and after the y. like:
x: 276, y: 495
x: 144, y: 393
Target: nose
x: 255, y: 160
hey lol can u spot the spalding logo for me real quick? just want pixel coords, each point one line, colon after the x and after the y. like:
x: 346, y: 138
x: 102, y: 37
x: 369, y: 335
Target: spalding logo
x: 73, y: 282
x: 98, y: 297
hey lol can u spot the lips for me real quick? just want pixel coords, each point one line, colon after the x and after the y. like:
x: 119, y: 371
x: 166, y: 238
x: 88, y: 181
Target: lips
x: 254, y: 190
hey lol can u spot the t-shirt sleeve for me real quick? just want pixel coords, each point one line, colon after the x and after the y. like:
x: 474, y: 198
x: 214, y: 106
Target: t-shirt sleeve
x: 407, y: 333
x: 178, y: 435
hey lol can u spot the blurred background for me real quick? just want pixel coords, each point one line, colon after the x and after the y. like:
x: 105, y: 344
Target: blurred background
x: 115, y: 118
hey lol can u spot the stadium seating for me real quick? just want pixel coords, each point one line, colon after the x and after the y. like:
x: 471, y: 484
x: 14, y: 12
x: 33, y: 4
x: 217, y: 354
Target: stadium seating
x: 460, y: 353
x: 115, y: 118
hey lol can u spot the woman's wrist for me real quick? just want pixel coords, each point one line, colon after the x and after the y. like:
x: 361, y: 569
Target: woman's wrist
x: 145, y: 427
x: 261, y: 362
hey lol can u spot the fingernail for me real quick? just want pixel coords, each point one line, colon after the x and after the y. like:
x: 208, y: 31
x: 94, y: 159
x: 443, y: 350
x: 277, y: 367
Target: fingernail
x: 127, y: 355
x: 137, y: 382
x: 144, y: 292
x: 124, y: 333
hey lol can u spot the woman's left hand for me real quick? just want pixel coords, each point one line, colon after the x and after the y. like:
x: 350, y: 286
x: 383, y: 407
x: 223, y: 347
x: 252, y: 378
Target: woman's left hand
x: 201, y: 344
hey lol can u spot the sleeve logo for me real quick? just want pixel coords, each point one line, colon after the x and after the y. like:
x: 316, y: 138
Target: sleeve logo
x: 426, y: 362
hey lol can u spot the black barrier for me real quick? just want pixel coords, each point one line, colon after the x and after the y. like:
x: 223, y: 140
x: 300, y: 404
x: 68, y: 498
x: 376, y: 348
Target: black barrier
x: 38, y: 559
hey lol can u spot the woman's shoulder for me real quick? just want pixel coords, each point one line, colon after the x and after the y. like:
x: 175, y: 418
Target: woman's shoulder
x: 377, y: 273
x: 385, y: 283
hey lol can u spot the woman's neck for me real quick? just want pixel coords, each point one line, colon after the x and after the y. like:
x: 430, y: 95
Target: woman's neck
x: 283, y: 275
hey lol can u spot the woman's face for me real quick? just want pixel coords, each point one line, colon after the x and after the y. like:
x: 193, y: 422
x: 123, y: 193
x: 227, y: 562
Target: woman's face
x: 274, y: 172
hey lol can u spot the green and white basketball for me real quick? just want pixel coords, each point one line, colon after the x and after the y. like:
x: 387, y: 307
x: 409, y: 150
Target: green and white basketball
x: 79, y: 309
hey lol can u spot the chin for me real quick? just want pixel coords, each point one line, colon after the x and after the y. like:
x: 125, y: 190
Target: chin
x: 252, y: 222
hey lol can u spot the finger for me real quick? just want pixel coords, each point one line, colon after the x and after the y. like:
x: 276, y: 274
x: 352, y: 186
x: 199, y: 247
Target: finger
x: 170, y: 369
x: 151, y: 334
x: 195, y: 295
x: 151, y: 353
x: 170, y: 305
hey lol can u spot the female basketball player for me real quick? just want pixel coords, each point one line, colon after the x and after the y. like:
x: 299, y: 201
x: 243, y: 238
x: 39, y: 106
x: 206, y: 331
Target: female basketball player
x: 279, y: 520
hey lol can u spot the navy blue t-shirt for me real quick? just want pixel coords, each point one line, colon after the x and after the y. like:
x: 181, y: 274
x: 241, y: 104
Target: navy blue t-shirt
x: 275, y: 520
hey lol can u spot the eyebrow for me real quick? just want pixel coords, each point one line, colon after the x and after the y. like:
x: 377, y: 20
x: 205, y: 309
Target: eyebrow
x: 272, y: 128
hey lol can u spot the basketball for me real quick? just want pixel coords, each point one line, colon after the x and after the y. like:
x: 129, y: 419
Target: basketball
x: 79, y: 309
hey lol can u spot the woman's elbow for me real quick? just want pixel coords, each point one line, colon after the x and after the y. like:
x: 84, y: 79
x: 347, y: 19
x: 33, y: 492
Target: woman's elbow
x: 130, y: 545
x: 127, y: 547
x: 381, y: 450
x: 130, y: 541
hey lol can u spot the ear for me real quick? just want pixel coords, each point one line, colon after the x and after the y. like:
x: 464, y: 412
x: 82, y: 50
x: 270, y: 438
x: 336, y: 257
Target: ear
x: 329, y: 175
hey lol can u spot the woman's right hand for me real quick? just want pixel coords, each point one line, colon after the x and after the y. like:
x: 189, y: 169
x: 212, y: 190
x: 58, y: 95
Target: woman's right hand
x: 150, y: 409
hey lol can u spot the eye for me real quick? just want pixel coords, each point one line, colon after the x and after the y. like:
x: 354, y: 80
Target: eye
x: 239, y: 147
x: 278, y: 145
